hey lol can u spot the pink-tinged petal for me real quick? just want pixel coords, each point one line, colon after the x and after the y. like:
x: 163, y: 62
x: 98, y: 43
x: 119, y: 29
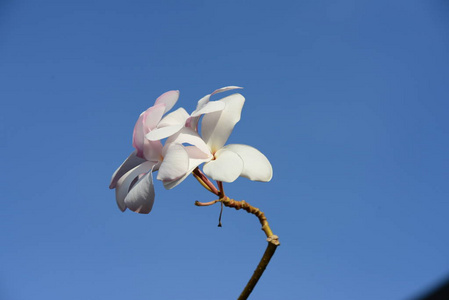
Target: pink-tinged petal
x: 178, y: 117
x: 189, y: 136
x: 226, y: 167
x: 192, y: 122
x: 146, y: 121
x: 164, y: 132
x: 152, y: 150
x: 195, y: 153
x: 124, y: 183
x: 141, y: 196
x: 196, y: 157
x: 152, y: 116
x: 256, y: 166
x: 168, y: 98
x: 138, y: 136
x: 129, y: 163
x: 217, y: 126
x: 175, y: 163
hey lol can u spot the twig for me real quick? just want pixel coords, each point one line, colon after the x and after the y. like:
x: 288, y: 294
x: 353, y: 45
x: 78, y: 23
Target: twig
x: 273, y: 240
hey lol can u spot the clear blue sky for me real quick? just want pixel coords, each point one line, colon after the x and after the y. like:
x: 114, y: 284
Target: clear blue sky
x: 348, y: 100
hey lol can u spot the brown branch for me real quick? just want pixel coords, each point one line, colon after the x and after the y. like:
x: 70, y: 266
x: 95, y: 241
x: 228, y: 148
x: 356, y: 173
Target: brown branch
x: 273, y: 240
x: 255, y: 211
x: 271, y: 248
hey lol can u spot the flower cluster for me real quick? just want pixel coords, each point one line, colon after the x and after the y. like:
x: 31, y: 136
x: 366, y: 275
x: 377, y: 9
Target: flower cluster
x: 186, y: 147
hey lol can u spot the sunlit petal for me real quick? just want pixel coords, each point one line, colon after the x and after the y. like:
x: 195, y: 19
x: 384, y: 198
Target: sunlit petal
x: 146, y: 121
x: 227, y: 166
x: 189, y: 136
x: 217, y: 126
x: 203, y: 102
x: 152, y: 150
x: 168, y: 98
x: 152, y: 116
x: 196, y: 157
x: 176, y: 117
x: 164, y: 132
x: 175, y: 163
x: 256, y: 166
x: 208, y: 108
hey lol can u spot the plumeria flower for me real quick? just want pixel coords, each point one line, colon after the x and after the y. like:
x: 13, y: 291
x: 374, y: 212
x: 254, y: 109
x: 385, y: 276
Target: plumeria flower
x: 133, y: 181
x: 187, y: 149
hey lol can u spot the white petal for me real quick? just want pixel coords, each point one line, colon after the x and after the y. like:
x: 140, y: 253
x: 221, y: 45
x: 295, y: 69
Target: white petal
x: 208, y: 108
x: 217, y: 126
x: 141, y: 196
x: 189, y: 136
x: 196, y: 157
x: 177, y: 117
x: 138, y: 136
x: 129, y: 163
x: 125, y: 181
x: 152, y: 150
x: 152, y: 116
x: 164, y: 132
x: 196, y: 153
x: 175, y: 163
x: 168, y: 98
x: 226, y: 88
x: 203, y: 101
x: 227, y: 166
x: 256, y: 166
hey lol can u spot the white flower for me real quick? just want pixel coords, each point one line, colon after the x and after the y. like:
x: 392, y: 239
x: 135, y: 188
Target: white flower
x: 186, y: 149
x: 133, y: 181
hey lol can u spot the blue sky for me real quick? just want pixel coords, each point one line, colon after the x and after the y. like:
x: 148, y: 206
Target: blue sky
x: 348, y: 100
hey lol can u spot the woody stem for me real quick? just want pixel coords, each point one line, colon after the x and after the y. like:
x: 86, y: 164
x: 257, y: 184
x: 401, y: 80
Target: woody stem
x: 273, y: 240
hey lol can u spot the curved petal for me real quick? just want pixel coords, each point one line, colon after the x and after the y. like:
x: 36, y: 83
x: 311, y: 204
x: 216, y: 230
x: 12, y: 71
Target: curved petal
x: 209, y: 107
x: 190, y: 136
x: 125, y: 181
x: 138, y: 136
x: 192, y: 122
x: 152, y: 116
x: 217, y: 126
x: 129, y: 163
x: 152, y: 150
x: 164, y: 132
x: 203, y: 101
x: 177, y: 117
x: 256, y: 166
x: 146, y: 121
x: 168, y: 98
x: 196, y: 157
x: 175, y: 163
x: 141, y: 196
x: 226, y: 167
x: 226, y: 88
